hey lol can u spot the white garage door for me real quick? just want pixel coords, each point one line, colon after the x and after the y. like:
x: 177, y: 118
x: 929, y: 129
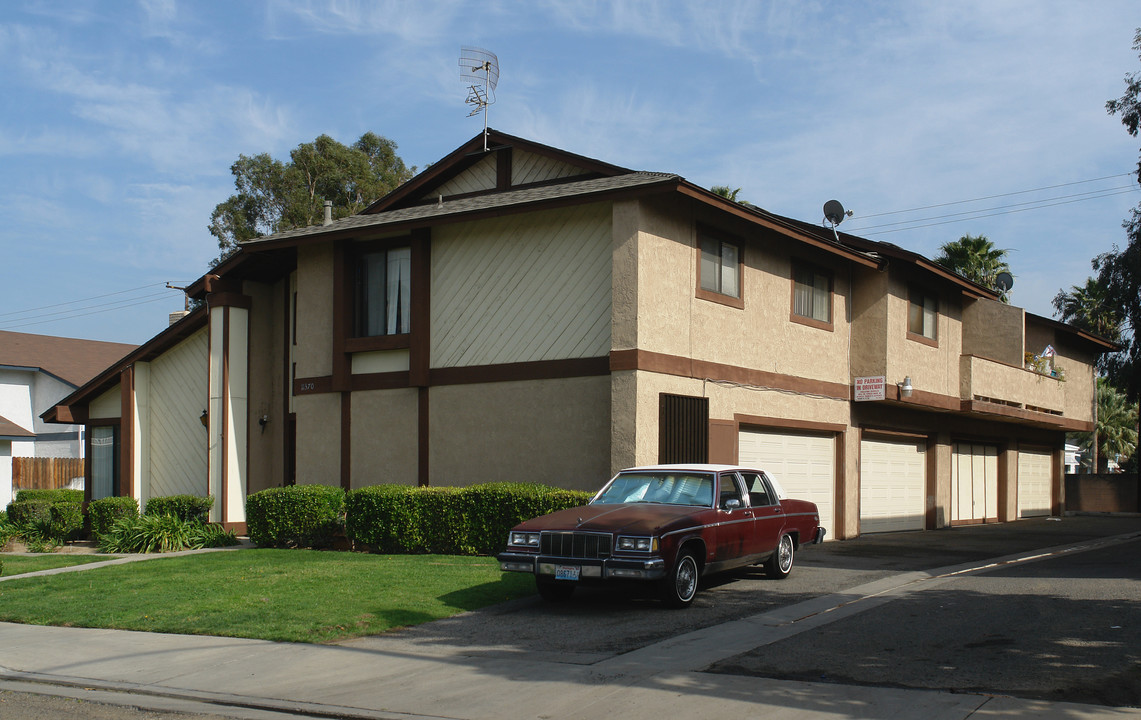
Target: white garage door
x: 974, y: 483
x: 804, y: 464
x: 893, y: 485
x: 1035, y: 471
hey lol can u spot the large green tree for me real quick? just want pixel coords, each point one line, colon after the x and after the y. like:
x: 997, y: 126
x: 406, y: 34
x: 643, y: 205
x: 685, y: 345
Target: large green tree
x: 1120, y: 271
x: 273, y: 195
x: 1116, y: 430
x: 977, y: 259
x: 1089, y: 307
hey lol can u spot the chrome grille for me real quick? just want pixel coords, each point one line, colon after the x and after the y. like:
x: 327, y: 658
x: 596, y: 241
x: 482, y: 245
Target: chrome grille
x: 591, y: 546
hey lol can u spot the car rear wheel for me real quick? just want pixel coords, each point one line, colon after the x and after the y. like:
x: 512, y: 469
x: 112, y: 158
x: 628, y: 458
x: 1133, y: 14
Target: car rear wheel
x: 680, y: 586
x: 780, y: 564
x: 554, y: 590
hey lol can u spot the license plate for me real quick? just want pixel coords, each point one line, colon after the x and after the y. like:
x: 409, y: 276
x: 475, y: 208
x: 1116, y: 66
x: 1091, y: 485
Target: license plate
x: 567, y: 572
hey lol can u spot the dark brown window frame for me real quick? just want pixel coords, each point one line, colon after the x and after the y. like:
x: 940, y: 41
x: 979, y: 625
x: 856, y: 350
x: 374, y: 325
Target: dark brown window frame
x: 793, y: 316
x: 712, y: 295
x: 912, y: 292
x: 352, y: 258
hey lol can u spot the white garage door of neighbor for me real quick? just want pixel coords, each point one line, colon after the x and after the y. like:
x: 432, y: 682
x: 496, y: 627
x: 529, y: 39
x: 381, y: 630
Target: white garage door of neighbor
x: 893, y: 485
x: 1035, y: 471
x: 974, y: 483
x: 804, y: 464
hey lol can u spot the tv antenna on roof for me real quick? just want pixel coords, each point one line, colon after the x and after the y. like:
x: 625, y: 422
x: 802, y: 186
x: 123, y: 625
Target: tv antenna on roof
x: 479, y: 69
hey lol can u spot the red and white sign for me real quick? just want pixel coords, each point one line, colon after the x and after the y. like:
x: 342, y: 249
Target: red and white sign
x: 870, y: 388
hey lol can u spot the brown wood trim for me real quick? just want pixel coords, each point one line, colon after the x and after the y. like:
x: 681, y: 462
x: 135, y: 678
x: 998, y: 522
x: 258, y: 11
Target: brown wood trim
x: 922, y: 339
x: 423, y: 437
x: 127, y: 432
x: 289, y: 320
x: 313, y: 385
x: 779, y: 423
x: 347, y: 441
x: 1003, y: 493
x: 503, y: 169
x: 931, y: 520
x: 420, y: 350
x: 239, y: 528
x: 372, y: 344
x: 343, y: 314
x: 1058, y: 482
x: 229, y: 299
x: 649, y: 361
x: 888, y: 434
x: 839, y: 501
x: 925, y: 399
x: 811, y: 322
x: 381, y: 381
x: 719, y: 298
x: 1055, y: 422
x: 537, y: 370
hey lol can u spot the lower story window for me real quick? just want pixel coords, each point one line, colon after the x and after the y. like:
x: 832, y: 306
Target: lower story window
x: 104, y: 461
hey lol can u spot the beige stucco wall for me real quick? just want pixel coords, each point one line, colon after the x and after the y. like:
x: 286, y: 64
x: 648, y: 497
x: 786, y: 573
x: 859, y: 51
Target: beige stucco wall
x: 313, y: 353
x: 1079, y: 388
x: 318, y: 439
x: 931, y: 369
x: 993, y: 330
x: 870, y: 303
x: 384, y: 437
x: 988, y: 379
x: 555, y: 432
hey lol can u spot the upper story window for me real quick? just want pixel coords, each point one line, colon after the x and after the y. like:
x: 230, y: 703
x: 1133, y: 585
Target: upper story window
x: 811, y: 296
x: 922, y: 315
x: 383, y: 292
x: 719, y: 270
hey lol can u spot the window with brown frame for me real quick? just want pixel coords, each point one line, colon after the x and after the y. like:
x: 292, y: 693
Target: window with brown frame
x: 383, y: 292
x: 811, y: 296
x: 922, y: 315
x: 719, y: 269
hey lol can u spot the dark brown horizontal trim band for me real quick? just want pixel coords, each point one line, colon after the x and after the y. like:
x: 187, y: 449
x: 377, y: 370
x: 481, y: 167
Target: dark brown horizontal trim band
x: 538, y: 370
x: 650, y: 361
x: 776, y: 423
x: 381, y: 381
x: 888, y: 434
x: 229, y: 299
x: 1050, y: 420
x: 313, y: 385
x: 922, y: 339
x: 924, y: 399
x: 379, y: 342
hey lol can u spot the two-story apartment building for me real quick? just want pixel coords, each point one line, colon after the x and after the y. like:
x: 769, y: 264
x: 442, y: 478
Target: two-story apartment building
x: 524, y: 313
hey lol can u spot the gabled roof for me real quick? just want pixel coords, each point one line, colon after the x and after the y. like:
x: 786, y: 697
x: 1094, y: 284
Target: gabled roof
x: 10, y: 430
x: 71, y: 360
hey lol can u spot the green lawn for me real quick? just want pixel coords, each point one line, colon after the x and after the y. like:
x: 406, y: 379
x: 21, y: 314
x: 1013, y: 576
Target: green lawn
x: 20, y: 564
x: 291, y: 595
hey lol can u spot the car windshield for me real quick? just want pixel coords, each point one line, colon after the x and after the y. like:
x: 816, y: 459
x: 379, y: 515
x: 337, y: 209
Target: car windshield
x: 668, y: 488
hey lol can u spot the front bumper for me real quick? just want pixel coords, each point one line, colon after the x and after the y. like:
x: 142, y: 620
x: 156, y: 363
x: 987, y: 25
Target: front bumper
x: 612, y: 568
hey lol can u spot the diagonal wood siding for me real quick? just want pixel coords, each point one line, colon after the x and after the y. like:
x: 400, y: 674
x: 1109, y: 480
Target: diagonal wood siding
x: 178, y: 440
x: 480, y: 176
x: 522, y: 288
x: 528, y: 167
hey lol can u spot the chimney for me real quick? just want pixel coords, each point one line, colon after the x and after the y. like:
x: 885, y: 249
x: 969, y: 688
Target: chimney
x: 328, y: 212
x: 176, y: 316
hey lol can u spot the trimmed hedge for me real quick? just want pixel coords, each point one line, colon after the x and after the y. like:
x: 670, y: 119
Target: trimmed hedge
x: 184, y: 507
x: 66, y: 521
x: 296, y: 516
x: 104, y: 513
x: 67, y: 496
x: 473, y: 520
x: 29, y: 512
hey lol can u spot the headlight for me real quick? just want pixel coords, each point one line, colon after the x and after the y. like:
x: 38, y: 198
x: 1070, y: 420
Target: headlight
x: 523, y: 539
x: 637, y: 544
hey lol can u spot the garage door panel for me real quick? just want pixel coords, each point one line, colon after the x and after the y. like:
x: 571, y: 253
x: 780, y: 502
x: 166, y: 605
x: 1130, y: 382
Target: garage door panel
x: 974, y: 483
x: 893, y: 485
x: 804, y: 464
x: 1035, y: 478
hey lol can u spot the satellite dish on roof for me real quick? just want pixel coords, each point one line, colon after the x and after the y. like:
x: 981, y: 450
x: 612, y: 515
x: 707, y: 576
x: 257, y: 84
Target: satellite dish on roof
x: 479, y: 70
x: 1004, y: 281
x: 835, y: 213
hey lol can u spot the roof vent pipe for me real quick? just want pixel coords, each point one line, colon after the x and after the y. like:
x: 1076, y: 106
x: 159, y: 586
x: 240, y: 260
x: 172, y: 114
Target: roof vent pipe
x: 328, y: 212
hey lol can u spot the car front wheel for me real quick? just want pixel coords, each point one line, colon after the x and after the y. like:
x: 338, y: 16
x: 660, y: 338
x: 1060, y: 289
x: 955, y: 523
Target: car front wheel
x: 680, y: 586
x: 780, y: 564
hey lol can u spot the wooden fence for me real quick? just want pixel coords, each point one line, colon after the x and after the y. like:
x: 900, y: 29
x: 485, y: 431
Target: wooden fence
x: 44, y: 473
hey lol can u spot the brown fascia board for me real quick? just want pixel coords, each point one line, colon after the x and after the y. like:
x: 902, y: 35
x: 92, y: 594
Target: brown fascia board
x: 774, y: 222
x: 1104, y: 344
x: 107, y: 379
x: 468, y: 154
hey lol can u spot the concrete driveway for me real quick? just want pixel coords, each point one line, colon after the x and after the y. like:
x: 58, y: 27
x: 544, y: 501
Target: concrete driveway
x: 899, y: 626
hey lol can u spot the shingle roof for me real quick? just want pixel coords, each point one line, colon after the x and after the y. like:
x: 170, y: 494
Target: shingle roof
x: 72, y: 360
x: 476, y: 204
x: 9, y: 429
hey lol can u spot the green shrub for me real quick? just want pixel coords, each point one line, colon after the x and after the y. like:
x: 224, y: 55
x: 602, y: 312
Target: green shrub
x: 492, y: 509
x: 71, y: 496
x: 162, y: 533
x: 66, y: 521
x: 210, y: 535
x: 296, y: 516
x: 384, y: 517
x: 183, y: 507
x: 22, y: 513
x: 103, y: 513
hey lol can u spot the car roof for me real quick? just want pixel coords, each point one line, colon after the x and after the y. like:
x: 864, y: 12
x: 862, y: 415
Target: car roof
x: 700, y: 467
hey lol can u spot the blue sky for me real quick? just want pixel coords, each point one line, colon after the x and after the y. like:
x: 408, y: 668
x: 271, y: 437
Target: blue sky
x: 121, y: 119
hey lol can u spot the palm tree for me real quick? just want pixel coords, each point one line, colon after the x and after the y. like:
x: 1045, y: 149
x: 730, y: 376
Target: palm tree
x: 1089, y: 308
x: 725, y: 191
x: 1116, y: 429
x: 977, y: 259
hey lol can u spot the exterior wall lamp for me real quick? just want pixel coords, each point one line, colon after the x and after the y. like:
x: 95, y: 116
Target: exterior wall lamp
x: 204, y: 418
x: 905, y: 387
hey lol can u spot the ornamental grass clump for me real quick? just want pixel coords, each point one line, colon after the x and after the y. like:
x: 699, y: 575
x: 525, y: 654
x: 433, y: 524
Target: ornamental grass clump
x: 162, y: 533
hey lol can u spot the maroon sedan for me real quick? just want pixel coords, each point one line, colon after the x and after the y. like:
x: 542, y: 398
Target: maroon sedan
x: 666, y: 524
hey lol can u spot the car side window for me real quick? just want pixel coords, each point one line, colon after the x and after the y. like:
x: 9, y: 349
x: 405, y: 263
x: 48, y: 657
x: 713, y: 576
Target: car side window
x: 759, y: 494
x: 730, y: 490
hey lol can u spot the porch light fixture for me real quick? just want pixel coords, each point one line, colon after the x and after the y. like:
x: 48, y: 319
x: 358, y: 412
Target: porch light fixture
x: 204, y: 418
x: 905, y: 387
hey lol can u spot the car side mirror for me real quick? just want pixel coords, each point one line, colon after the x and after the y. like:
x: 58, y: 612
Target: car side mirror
x: 732, y: 504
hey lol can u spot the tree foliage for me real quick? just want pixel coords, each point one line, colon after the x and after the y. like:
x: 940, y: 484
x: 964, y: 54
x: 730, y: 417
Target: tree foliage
x: 1089, y: 308
x: 977, y: 259
x: 1116, y: 426
x: 1120, y: 271
x: 726, y: 192
x: 273, y: 195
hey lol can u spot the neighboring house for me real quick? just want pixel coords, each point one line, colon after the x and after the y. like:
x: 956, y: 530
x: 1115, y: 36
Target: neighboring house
x: 36, y: 371
x: 528, y: 314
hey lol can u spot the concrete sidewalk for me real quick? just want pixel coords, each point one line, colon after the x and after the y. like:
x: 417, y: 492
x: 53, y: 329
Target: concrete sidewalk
x: 394, y: 677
